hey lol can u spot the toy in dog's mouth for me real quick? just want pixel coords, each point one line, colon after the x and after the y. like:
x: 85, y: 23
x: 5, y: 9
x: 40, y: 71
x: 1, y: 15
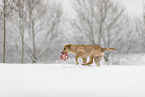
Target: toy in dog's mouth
x: 64, y: 56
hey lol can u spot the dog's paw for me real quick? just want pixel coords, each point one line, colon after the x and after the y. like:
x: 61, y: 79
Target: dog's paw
x: 83, y: 64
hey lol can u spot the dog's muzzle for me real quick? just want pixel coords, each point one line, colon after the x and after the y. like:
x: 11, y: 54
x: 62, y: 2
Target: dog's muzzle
x: 63, y: 52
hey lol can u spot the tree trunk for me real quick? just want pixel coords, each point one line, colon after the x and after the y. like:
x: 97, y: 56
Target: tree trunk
x: 100, y: 34
x: 22, y: 49
x: 106, y: 57
x: 22, y: 25
x: 4, y: 36
x: 33, y: 36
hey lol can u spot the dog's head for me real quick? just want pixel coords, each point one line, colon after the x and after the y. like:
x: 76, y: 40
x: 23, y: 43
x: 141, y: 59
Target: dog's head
x: 66, y: 48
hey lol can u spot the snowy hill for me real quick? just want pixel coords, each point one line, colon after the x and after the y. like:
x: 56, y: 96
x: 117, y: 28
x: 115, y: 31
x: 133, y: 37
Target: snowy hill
x: 59, y: 80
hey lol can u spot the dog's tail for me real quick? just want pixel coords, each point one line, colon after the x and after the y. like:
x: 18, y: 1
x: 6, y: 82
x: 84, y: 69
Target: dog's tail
x: 108, y: 49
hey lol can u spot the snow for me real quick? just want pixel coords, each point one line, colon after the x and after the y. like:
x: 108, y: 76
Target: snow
x: 70, y: 80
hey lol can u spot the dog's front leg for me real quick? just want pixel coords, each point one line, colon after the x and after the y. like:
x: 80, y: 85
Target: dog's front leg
x: 90, y: 62
x: 77, y: 56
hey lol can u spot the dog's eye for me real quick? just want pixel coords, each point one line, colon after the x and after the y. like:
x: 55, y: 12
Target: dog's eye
x: 64, y: 48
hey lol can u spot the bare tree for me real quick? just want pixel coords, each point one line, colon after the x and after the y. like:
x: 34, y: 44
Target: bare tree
x: 43, y: 23
x: 6, y: 7
x: 21, y: 22
x: 34, y: 29
x: 141, y: 28
x: 99, y: 21
x: 1, y: 31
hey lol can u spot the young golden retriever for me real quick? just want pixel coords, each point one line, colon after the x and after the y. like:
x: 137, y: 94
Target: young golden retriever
x: 93, y: 51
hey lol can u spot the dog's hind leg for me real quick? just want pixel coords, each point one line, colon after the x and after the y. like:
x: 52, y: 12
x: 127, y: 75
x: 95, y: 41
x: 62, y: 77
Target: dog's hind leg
x: 97, y: 60
x: 84, y: 60
x: 90, y: 62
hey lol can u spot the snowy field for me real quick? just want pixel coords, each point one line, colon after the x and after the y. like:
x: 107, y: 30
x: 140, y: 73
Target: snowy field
x: 68, y: 80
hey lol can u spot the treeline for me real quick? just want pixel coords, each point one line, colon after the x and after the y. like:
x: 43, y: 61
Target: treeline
x: 33, y: 31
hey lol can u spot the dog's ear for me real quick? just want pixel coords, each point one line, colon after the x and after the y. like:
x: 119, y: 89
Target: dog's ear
x: 68, y: 45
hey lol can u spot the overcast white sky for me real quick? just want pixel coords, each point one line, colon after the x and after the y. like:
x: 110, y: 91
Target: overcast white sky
x: 133, y: 7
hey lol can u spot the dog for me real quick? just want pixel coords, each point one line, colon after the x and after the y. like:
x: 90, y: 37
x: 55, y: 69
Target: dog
x: 93, y: 51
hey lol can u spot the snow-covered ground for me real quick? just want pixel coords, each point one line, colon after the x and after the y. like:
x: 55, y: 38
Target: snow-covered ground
x: 68, y: 80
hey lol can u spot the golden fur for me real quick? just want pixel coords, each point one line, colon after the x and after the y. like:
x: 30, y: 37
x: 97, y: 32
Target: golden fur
x: 93, y: 51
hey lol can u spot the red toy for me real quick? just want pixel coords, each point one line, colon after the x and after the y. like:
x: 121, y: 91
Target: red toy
x: 64, y: 56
